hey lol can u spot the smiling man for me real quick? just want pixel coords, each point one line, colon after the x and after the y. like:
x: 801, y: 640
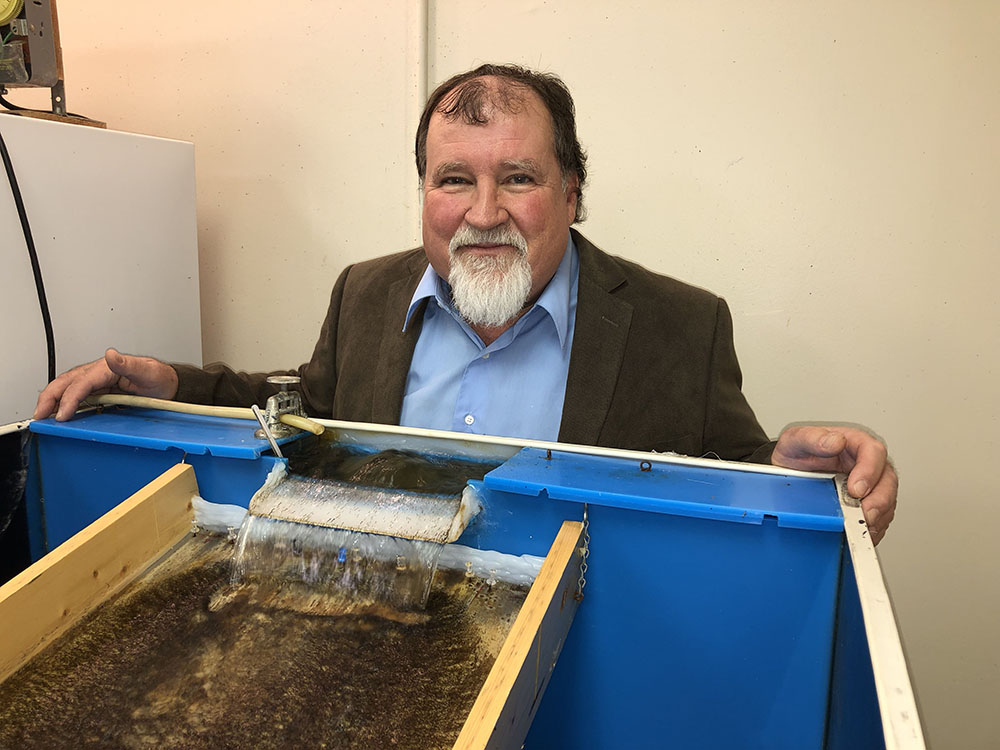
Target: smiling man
x: 495, y: 345
x: 497, y: 205
x: 509, y: 322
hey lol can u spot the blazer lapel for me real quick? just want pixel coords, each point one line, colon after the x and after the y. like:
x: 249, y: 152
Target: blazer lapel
x: 396, y: 346
x: 599, y: 339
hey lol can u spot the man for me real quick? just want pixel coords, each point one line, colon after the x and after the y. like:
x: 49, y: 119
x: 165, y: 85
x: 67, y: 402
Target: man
x: 507, y: 322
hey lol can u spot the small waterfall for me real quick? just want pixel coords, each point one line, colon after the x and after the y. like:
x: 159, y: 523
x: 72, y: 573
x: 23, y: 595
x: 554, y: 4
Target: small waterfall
x: 333, y: 569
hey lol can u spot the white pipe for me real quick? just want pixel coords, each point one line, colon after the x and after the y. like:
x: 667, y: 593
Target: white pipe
x: 230, y: 412
x: 14, y: 427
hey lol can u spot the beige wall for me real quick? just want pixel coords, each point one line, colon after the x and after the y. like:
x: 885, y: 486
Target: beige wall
x: 301, y: 125
x: 832, y: 169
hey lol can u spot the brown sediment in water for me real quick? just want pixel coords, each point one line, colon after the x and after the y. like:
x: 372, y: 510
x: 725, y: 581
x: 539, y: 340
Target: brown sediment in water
x: 159, y: 667
x: 296, y: 596
x: 394, y: 469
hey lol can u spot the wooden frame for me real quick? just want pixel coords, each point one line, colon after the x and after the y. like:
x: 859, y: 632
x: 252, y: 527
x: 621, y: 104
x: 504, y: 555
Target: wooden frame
x: 502, y: 713
x: 41, y: 602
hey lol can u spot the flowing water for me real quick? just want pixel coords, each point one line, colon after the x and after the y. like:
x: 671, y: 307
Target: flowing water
x: 343, y: 505
x: 348, y: 531
x: 332, y: 570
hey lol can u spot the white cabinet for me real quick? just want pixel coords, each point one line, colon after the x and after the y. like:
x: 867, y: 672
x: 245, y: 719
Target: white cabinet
x: 113, y: 219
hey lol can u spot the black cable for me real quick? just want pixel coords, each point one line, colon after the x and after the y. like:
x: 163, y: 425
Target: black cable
x: 50, y: 339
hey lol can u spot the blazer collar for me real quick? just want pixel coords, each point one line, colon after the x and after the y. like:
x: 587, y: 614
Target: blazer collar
x: 396, y: 346
x: 602, y: 328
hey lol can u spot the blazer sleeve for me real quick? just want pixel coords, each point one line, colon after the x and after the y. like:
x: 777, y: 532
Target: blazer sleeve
x: 731, y: 429
x: 219, y: 384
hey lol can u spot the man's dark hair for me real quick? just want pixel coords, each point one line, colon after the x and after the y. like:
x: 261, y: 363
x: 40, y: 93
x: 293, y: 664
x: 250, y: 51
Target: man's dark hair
x: 467, y: 97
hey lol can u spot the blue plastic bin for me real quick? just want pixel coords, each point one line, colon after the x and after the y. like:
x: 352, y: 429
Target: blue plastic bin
x: 720, y: 608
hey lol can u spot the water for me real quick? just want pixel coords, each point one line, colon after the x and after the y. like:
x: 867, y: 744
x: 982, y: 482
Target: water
x: 159, y: 667
x: 350, y: 532
x: 391, y: 469
x: 329, y: 502
x: 328, y: 571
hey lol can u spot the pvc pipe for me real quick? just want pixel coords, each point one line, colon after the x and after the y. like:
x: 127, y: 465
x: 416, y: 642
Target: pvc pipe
x: 230, y: 412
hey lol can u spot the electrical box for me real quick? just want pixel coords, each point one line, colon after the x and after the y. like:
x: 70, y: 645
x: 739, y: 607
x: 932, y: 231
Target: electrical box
x: 30, y: 55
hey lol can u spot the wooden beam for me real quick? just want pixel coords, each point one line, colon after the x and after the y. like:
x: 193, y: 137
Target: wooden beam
x: 506, y: 705
x: 38, y: 604
x: 53, y: 117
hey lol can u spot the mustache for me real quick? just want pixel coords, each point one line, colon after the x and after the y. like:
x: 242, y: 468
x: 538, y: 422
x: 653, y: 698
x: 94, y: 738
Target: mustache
x: 502, y: 235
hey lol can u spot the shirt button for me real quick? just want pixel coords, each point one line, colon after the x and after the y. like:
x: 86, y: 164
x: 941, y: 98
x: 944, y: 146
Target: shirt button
x: 469, y: 419
x: 486, y: 356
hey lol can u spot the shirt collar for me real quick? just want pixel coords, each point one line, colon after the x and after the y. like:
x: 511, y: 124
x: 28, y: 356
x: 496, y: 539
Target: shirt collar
x: 554, y: 299
x: 430, y: 287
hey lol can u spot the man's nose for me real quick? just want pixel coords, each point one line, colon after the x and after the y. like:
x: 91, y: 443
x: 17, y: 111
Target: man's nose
x: 487, y: 210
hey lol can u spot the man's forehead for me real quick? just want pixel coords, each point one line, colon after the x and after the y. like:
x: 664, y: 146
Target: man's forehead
x: 529, y: 116
x: 484, y: 96
x: 527, y: 121
x: 483, y: 100
x: 506, y: 142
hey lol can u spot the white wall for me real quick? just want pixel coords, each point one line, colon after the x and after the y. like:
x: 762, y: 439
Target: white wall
x: 832, y: 169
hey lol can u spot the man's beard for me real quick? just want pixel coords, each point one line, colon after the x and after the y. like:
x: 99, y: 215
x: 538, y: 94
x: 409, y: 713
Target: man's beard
x: 489, y: 290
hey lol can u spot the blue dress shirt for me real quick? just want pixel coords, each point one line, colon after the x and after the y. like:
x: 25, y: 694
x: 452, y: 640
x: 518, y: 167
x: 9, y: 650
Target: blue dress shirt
x: 515, y: 386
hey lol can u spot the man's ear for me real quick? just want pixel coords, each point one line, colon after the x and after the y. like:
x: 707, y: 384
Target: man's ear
x: 572, y: 197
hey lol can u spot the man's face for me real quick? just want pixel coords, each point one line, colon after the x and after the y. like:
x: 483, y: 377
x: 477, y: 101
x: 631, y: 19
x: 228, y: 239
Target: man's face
x: 503, y: 174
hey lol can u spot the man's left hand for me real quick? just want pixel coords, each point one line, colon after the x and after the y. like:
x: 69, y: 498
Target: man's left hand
x: 852, y: 451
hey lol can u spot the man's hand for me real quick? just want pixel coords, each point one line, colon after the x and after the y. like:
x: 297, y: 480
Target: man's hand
x: 121, y: 373
x: 852, y: 451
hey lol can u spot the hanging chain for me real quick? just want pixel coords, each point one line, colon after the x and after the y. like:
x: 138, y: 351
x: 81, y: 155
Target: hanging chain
x: 584, y: 554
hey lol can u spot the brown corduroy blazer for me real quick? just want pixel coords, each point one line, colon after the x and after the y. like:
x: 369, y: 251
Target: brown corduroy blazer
x: 653, y: 366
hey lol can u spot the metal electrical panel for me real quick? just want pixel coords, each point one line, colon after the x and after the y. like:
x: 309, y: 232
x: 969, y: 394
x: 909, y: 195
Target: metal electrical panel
x: 29, y: 54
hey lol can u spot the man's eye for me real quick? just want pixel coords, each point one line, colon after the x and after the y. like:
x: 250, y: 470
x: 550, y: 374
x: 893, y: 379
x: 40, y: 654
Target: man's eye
x: 454, y: 181
x: 520, y: 179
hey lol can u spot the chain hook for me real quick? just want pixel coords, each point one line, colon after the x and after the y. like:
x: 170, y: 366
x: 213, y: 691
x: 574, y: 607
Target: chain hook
x: 584, y: 554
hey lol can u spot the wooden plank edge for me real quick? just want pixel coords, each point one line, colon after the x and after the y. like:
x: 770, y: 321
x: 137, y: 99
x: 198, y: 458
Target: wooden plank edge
x: 41, y: 602
x: 53, y: 117
x: 502, y: 713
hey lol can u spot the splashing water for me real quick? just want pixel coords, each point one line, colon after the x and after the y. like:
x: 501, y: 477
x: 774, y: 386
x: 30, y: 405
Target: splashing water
x: 340, y: 505
x: 332, y: 570
x: 341, y: 537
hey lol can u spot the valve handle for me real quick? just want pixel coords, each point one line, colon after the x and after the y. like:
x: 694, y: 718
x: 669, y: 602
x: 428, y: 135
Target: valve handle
x: 284, y: 381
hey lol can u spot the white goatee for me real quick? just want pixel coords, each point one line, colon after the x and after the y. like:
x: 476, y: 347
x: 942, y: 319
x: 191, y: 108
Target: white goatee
x: 489, y: 290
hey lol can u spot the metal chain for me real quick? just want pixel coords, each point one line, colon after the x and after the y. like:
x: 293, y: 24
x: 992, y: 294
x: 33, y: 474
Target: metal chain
x: 584, y: 554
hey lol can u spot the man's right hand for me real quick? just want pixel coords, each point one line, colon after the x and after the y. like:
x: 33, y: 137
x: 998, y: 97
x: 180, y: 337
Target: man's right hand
x: 121, y: 373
